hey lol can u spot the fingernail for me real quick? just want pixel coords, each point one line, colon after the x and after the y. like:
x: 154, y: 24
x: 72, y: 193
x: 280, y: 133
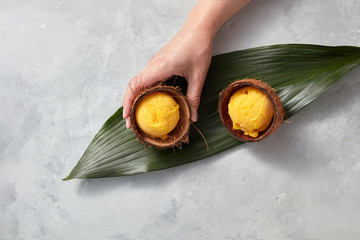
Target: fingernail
x: 127, y: 123
x: 194, y: 116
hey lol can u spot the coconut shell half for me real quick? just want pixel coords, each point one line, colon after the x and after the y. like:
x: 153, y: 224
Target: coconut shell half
x: 224, y: 99
x: 180, y: 134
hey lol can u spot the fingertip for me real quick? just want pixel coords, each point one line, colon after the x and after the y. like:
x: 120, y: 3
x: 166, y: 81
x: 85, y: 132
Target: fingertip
x: 125, y: 114
x: 127, y: 103
x: 194, y: 103
x: 126, y: 110
x: 128, y: 123
x: 194, y: 115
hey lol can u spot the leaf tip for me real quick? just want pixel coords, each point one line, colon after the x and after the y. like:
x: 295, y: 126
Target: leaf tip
x: 66, y: 178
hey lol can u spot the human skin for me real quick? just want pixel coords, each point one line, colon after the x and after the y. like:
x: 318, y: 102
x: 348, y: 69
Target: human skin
x: 188, y: 54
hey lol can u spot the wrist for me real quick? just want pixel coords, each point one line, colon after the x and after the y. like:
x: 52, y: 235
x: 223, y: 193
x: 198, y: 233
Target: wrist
x: 201, y: 22
x: 209, y: 15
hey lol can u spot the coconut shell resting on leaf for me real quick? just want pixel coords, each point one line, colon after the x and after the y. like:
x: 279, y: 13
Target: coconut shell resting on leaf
x: 224, y: 99
x: 180, y: 134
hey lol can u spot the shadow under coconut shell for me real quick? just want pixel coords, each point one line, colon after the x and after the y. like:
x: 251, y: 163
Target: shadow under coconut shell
x: 295, y: 148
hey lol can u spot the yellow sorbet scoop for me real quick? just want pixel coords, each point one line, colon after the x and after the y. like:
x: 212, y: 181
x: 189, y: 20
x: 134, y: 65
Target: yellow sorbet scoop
x: 250, y: 111
x: 157, y: 114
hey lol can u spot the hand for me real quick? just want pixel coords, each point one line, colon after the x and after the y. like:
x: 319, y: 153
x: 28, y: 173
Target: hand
x: 188, y: 55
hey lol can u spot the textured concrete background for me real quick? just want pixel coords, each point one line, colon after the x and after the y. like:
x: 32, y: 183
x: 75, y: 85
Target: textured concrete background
x: 64, y: 66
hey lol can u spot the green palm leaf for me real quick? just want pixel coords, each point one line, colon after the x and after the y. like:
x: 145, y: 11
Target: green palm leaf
x: 298, y: 73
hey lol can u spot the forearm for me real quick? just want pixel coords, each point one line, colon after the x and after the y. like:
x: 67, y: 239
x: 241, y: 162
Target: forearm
x: 209, y: 15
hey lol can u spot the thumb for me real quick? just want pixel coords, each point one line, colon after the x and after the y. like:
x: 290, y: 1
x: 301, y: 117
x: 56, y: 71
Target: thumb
x: 193, y: 94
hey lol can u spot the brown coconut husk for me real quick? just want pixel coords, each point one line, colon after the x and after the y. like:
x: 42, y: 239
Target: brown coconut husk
x: 224, y: 99
x: 180, y: 134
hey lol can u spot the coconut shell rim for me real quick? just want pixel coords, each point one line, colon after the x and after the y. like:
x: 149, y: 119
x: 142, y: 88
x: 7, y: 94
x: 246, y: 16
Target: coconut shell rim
x: 184, y: 138
x: 279, y: 112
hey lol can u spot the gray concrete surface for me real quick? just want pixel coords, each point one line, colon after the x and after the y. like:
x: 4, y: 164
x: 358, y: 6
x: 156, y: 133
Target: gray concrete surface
x: 64, y: 66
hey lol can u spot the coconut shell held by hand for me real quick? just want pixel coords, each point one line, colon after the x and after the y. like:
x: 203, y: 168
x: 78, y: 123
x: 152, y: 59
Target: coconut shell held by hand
x: 274, y: 102
x: 175, y: 137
